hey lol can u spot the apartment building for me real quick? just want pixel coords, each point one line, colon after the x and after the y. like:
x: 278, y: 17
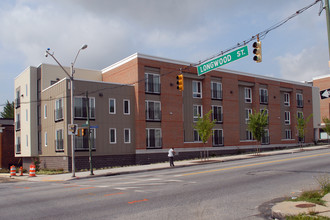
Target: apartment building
x: 139, y: 114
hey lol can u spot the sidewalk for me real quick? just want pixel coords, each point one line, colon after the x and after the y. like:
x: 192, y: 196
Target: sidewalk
x: 151, y: 167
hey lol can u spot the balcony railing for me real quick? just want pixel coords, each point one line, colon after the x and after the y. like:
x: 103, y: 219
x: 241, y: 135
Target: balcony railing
x: 17, y: 102
x: 18, y: 148
x: 18, y: 125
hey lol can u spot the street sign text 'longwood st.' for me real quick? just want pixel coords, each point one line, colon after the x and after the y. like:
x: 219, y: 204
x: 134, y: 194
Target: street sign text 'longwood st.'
x: 220, y: 61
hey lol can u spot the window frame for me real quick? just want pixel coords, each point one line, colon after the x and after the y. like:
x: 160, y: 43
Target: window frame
x: 154, y: 114
x: 288, y: 134
x: 197, y: 138
x: 248, y: 111
x: 158, y: 140
x: 59, y: 138
x: 248, y: 95
x: 114, y: 137
x: 128, y: 107
x: 91, y: 102
x: 300, y: 102
x: 114, y: 106
x: 287, y: 117
x: 129, y: 135
x: 198, y: 93
x: 263, y: 95
x: 248, y: 135
x: 286, y: 99
x: 58, y: 116
x: 156, y: 86
x: 219, y: 138
x: 217, y: 91
x: 199, y: 112
x: 214, y: 110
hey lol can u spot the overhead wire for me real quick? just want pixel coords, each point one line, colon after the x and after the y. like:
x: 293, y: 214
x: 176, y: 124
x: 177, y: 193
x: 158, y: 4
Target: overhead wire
x: 261, y: 35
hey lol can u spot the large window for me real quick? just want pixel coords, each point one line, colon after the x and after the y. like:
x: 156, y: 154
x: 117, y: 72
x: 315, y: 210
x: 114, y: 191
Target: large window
x: 197, y: 89
x: 152, y: 83
x: 112, y: 106
x: 300, y: 101
x: 153, y: 111
x: 153, y: 138
x: 80, y: 107
x: 263, y: 93
x: 287, y: 118
x: 18, y: 145
x: 18, y: 122
x: 59, y: 140
x: 287, y: 99
x: 265, y: 138
x: 249, y: 135
x: 217, y: 137
x: 82, y: 141
x: 216, y: 90
x: 197, y: 111
x: 59, y: 109
x: 217, y: 113
x: 248, y: 95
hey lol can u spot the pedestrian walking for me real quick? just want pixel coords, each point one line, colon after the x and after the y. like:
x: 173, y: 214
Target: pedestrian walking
x: 171, y: 154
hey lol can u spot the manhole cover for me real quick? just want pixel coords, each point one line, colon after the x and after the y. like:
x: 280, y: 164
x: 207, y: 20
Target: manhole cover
x: 305, y: 205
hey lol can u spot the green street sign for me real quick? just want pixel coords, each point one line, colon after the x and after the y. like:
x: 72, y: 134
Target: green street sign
x: 220, y: 61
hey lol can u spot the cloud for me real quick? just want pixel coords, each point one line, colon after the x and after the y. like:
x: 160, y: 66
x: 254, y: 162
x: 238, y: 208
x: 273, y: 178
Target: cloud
x: 305, y: 65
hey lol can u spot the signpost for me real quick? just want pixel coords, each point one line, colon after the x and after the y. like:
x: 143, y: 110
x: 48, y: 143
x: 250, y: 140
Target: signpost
x: 325, y: 94
x: 222, y: 60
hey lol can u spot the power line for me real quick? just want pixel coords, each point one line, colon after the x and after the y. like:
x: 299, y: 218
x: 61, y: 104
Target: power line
x: 261, y: 35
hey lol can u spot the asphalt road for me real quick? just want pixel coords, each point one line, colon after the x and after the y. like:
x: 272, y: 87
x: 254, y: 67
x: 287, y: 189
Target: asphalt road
x: 230, y: 190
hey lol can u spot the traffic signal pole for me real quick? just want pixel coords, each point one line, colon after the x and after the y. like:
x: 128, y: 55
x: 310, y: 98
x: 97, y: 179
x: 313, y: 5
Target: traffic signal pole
x: 328, y: 24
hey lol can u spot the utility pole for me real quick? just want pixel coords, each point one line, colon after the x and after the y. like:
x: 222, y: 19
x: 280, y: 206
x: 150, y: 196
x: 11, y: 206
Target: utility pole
x: 88, y: 136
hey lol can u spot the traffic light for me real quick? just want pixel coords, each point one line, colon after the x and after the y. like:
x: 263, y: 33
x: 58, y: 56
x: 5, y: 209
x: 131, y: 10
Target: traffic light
x: 257, y: 51
x: 179, y: 82
x: 83, y: 132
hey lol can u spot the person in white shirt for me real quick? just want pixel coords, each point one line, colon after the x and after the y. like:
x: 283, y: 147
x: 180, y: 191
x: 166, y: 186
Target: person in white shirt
x: 171, y: 154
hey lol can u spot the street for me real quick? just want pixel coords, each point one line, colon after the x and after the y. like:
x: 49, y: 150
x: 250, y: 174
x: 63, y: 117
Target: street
x: 229, y: 190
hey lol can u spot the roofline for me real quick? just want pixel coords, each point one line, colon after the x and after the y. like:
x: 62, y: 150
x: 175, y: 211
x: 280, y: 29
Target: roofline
x: 321, y: 77
x: 140, y: 55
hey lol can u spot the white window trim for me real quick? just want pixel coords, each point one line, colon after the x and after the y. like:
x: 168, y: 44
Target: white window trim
x: 195, y: 118
x: 300, y: 112
x: 290, y: 132
x: 115, y: 133
x: 216, y: 129
x: 129, y: 106
x: 148, y: 140
x: 46, y: 140
x: 247, y: 117
x: 217, y: 106
x: 114, y: 106
x: 260, y: 92
x: 248, y: 95
x: 287, y: 103
x: 287, y: 122
x: 214, y: 82
x: 199, y: 138
x: 129, y: 135
x: 45, y: 111
x: 197, y: 93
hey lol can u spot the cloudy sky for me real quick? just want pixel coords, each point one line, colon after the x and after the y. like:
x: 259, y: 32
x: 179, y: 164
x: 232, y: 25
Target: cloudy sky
x: 187, y: 30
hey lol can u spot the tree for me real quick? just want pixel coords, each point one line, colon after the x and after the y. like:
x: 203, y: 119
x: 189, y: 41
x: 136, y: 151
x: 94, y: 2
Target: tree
x: 326, y: 122
x: 257, y: 124
x: 301, y: 127
x: 204, y: 126
x: 8, y: 110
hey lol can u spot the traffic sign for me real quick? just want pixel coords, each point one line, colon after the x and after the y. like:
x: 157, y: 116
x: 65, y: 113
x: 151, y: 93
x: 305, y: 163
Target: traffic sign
x: 94, y: 126
x: 222, y: 60
x: 72, y: 129
x: 325, y: 94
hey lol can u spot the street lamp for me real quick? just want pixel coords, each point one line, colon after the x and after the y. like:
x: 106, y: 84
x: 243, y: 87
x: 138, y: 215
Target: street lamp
x: 72, y: 100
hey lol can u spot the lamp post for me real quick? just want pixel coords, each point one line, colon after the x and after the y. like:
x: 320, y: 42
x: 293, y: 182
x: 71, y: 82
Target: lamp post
x: 72, y: 99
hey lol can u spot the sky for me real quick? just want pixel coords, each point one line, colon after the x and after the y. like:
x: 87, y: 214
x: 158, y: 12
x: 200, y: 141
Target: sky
x: 185, y: 30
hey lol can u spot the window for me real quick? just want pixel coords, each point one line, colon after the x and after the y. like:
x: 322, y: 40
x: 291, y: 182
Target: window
x: 300, y: 101
x: 27, y: 140
x: 287, y: 99
x: 197, y: 111
x: 126, y: 107
x: 248, y: 111
x: 216, y: 90
x: 59, y: 109
x: 248, y: 95
x: 287, y: 118
x: 153, y: 111
x: 127, y: 135
x: 26, y: 115
x: 197, y: 138
x: 300, y: 114
x: 217, y: 137
x: 153, y: 138
x: 265, y: 138
x: 18, y: 122
x: 59, y: 140
x: 26, y: 90
x: 217, y: 113
x: 288, y: 134
x: 112, y: 106
x: 152, y: 83
x: 80, y: 108
x: 45, y: 111
x: 46, y: 141
x: 113, y: 136
x: 18, y: 99
x: 82, y: 141
x: 197, y: 89
x: 266, y: 113
x: 18, y: 145
x: 263, y: 96
x: 249, y: 135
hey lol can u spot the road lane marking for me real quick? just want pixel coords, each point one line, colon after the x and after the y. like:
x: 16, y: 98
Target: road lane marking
x: 113, y: 194
x: 143, y: 200
x: 254, y: 164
